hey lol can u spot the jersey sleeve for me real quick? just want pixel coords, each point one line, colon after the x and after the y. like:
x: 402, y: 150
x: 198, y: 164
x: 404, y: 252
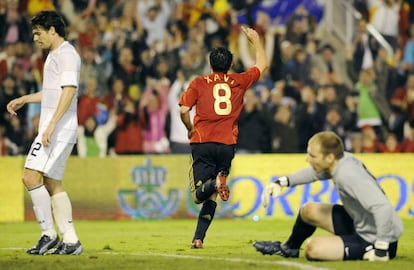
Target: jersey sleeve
x: 189, y: 98
x: 70, y: 65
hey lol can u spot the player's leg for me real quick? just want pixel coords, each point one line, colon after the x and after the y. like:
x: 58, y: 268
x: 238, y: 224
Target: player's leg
x: 61, y: 205
x: 43, y: 211
x: 224, y: 157
x: 325, y: 248
x: 344, y: 245
x: 311, y: 216
x: 203, y: 190
x: 202, y: 171
x: 33, y: 181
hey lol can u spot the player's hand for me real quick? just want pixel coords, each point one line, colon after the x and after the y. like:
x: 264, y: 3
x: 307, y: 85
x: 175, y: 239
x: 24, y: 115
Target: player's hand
x: 378, y: 253
x: 15, y: 105
x: 251, y: 34
x: 274, y: 189
x: 190, y: 133
x: 47, y: 135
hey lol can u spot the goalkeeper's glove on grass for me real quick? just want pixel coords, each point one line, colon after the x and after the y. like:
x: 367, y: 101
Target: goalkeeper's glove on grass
x: 378, y: 253
x: 274, y: 189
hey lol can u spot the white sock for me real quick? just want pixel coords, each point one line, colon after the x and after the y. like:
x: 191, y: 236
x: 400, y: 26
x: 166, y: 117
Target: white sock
x: 43, y: 210
x: 62, y: 211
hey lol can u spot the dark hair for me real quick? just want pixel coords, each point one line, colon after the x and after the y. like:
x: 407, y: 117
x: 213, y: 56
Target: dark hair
x: 48, y: 18
x: 221, y: 59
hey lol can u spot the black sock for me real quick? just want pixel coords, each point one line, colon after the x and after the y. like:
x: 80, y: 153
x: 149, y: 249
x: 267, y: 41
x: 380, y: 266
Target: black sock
x: 205, y: 217
x: 205, y: 191
x: 300, y: 232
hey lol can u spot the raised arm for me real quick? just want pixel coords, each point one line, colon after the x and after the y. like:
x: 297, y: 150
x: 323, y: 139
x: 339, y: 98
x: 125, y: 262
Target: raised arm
x: 261, y: 57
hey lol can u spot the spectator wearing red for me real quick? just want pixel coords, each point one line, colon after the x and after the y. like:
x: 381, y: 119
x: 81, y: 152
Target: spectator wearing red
x: 88, y: 102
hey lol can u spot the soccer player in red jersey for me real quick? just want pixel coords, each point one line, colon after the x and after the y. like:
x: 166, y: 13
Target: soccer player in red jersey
x: 218, y: 99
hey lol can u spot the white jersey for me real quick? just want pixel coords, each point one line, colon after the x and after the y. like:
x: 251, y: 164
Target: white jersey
x: 62, y: 68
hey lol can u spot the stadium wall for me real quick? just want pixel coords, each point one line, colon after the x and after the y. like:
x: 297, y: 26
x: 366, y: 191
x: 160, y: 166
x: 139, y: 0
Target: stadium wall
x: 156, y: 187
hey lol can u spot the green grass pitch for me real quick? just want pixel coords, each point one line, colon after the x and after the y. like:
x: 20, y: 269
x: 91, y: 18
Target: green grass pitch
x: 165, y: 244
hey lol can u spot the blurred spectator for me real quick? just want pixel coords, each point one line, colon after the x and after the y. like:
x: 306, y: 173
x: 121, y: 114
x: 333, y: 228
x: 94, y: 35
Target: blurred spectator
x: 408, y: 142
x: 254, y: 128
x: 391, y: 144
x: 179, y: 142
x: 154, y: 21
x: 300, y: 25
x: 297, y: 69
x: 369, y: 140
x: 155, y: 102
x: 125, y: 69
x: 402, y: 103
x: 365, y: 49
x: 7, y: 58
x: 368, y: 113
x: 15, y: 133
x: 91, y: 68
x: 388, y: 9
x: 93, y: 138
x: 335, y: 123
x: 35, y: 6
x: 88, y: 102
x: 355, y: 143
x: 284, y: 137
x: 13, y: 27
x: 130, y: 123
x: 7, y: 147
x: 331, y: 64
x: 310, y: 116
x: 407, y: 61
x: 8, y: 91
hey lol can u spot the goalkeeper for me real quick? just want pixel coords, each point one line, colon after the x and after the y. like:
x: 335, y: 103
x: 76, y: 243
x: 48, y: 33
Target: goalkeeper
x: 364, y: 227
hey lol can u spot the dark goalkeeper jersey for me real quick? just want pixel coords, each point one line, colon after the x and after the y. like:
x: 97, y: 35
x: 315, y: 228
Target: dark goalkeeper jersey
x: 218, y: 99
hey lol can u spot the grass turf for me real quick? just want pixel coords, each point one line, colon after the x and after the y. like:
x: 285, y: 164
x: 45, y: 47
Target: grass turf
x: 165, y: 244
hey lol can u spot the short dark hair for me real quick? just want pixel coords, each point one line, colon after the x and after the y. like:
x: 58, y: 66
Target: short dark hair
x: 330, y: 143
x: 221, y: 59
x: 48, y: 18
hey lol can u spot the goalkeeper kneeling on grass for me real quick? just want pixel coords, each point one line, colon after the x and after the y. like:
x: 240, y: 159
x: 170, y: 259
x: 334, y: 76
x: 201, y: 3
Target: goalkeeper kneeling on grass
x: 364, y: 227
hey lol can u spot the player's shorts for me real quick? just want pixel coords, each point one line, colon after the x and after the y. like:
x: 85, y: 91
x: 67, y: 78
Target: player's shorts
x: 355, y: 246
x: 51, y: 161
x: 208, y: 160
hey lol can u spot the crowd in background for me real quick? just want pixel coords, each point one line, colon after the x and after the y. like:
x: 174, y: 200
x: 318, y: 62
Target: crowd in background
x: 138, y: 56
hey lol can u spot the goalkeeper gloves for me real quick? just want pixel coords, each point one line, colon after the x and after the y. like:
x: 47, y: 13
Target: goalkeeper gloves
x: 274, y: 189
x: 378, y: 253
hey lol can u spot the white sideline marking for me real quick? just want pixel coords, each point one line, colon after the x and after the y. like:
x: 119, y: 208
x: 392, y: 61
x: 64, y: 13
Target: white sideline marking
x: 300, y: 266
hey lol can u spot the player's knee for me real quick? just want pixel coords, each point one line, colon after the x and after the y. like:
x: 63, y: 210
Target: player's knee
x: 309, y: 213
x: 313, y: 250
x: 195, y: 199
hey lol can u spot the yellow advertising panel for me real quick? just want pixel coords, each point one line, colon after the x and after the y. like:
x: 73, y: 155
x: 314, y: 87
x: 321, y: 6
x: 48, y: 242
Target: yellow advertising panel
x: 11, y: 189
x: 156, y: 187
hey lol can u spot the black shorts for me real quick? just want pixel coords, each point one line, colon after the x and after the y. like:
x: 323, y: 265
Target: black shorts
x: 355, y: 246
x: 208, y: 160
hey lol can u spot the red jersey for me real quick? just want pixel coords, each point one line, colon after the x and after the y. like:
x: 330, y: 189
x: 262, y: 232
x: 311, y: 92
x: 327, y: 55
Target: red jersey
x: 218, y: 99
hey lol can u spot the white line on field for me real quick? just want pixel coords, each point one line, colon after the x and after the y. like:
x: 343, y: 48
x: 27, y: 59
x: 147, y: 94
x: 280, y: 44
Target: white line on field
x: 300, y: 266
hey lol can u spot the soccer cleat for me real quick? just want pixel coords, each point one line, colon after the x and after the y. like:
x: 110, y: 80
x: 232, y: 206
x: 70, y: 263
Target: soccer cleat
x: 276, y: 247
x: 68, y: 249
x: 197, y: 244
x: 221, y: 186
x: 43, y: 245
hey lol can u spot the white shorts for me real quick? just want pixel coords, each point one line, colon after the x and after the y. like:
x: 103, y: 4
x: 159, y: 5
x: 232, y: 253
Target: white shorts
x: 51, y: 160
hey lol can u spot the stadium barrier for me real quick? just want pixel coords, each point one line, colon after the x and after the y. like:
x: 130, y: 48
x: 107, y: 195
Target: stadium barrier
x: 156, y: 186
